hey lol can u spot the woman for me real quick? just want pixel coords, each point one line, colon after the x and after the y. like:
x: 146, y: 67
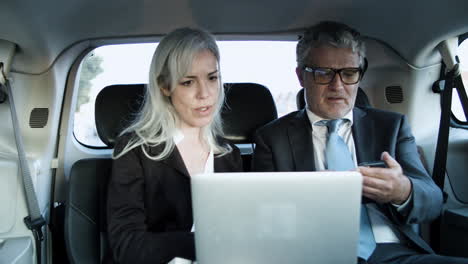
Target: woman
x: 176, y: 135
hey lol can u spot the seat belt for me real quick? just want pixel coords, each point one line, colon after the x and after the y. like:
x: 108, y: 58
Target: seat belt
x: 440, y: 161
x: 453, y: 79
x: 34, y: 221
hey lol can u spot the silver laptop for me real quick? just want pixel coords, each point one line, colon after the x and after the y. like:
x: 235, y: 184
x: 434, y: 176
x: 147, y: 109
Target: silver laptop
x: 276, y: 217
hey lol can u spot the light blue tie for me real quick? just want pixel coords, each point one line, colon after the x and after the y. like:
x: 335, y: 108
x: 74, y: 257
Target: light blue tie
x: 339, y: 158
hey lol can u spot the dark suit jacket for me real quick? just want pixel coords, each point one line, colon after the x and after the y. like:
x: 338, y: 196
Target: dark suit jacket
x: 149, y: 208
x: 286, y: 145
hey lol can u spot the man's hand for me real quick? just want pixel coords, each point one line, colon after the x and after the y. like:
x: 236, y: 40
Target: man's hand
x: 385, y: 185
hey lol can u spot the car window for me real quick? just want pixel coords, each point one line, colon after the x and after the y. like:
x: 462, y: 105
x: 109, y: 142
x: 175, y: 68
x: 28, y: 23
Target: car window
x: 270, y: 63
x: 457, y: 108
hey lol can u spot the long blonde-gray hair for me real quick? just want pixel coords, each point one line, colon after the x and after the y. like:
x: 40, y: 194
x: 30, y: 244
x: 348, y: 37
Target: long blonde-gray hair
x: 156, y: 123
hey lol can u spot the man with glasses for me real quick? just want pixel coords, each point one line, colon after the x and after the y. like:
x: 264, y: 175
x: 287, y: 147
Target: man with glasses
x: 332, y: 134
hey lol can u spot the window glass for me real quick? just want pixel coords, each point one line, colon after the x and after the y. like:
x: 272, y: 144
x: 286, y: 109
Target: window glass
x: 270, y: 63
x: 457, y: 108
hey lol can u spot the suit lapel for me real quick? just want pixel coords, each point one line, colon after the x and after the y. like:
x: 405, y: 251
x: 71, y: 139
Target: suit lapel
x: 363, y: 133
x: 224, y: 164
x: 174, y: 160
x: 300, y: 140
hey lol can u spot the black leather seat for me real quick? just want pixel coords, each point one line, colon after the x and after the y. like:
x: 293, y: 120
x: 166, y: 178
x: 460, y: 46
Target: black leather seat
x: 85, y: 221
x: 248, y: 106
x: 361, y: 99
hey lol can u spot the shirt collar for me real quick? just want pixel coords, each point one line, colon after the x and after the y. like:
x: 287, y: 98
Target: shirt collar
x: 313, y: 118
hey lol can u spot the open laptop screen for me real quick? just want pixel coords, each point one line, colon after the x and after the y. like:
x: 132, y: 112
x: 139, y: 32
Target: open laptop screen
x: 279, y: 217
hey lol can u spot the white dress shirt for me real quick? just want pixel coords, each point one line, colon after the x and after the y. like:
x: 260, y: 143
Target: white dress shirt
x: 209, y: 168
x: 209, y: 165
x: 381, y: 225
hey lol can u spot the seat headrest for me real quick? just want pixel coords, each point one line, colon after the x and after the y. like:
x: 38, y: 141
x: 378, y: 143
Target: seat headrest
x: 361, y: 99
x: 115, y: 108
x: 248, y: 107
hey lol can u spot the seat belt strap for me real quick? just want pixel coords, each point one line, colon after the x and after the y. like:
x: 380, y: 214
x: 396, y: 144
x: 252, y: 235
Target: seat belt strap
x: 34, y: 221
x: 440, y: 162
x: 447, y: 50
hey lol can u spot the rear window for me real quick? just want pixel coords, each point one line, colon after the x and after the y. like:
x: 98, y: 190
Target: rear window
x: 270, y: 63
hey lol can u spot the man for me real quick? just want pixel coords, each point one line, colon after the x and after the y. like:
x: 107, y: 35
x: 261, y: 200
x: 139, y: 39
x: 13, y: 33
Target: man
x: 331, y: 62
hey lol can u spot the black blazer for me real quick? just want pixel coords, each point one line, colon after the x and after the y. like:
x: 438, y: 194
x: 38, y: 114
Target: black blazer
x: 149, y: 207
x: 286, y: 145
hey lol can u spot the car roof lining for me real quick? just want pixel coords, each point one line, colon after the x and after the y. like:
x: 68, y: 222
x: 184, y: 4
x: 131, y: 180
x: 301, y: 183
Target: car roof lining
x: 43, y: 30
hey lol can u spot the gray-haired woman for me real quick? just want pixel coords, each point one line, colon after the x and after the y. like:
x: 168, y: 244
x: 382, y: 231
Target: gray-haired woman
x: 177, y: 134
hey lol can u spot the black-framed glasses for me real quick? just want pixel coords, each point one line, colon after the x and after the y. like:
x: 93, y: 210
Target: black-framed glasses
x: 326, y: 75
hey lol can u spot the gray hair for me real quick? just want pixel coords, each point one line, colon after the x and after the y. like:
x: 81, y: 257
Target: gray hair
x: 330, y: 33
x: 156, y: 122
